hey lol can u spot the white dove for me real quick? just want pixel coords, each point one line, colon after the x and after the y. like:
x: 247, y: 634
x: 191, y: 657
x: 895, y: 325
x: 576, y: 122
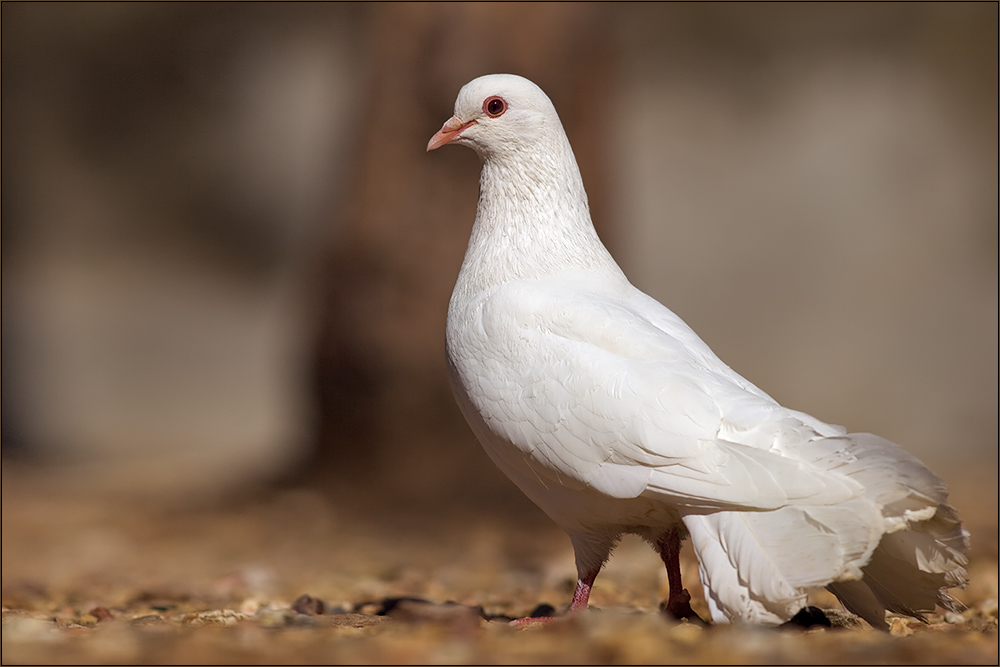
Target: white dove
x: 611, y: 414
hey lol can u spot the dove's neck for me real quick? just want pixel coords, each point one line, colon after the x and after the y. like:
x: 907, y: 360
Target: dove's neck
x: 532, y: 221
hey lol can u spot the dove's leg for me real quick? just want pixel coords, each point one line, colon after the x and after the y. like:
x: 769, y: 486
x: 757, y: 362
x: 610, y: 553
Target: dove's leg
x: 591, y: 551
x: 581, y: 596
x: 678, y: 603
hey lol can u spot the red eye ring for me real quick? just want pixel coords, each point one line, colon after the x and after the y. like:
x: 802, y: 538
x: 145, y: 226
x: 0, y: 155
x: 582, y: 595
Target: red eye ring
x: 494, y: 106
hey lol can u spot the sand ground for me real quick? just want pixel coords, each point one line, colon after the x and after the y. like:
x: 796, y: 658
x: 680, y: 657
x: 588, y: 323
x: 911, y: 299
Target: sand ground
x: 89, y: 578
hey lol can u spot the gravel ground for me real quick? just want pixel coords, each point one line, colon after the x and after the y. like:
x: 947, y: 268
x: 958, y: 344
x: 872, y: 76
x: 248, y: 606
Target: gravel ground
x: 293, y: 576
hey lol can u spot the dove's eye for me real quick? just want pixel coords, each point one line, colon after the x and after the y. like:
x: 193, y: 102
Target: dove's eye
x: 494, y: 106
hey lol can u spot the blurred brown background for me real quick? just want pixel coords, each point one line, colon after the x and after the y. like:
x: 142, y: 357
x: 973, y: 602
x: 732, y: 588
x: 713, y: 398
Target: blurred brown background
x: 227, y: 257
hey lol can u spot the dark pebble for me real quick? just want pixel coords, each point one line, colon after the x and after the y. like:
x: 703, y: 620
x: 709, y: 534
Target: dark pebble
x: 419, y: 610
x: 308, y: 605
x: 543, y: 611
x: 388, y: 605
x: 808, y: 617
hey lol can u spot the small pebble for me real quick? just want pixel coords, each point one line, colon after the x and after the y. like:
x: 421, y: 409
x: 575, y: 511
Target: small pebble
x: 101, y: 614
x: 283, y: 618
x: 900, y: 627
x: 308, y: 605
x: 147, y: 620
x: 250, y: 606
x: 954, y: 618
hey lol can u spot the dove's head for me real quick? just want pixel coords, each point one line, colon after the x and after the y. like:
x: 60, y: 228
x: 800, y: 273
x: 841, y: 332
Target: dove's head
x: 499, y: 114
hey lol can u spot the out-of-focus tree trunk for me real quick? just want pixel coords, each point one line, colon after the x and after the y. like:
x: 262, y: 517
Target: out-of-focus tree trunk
x: 384, y: 401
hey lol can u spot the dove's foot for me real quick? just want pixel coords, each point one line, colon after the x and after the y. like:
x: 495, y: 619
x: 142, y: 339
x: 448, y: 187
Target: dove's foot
x: 678, y: 604
x: 543, y: 613
x: 546, y: 613
x: 679, y: 607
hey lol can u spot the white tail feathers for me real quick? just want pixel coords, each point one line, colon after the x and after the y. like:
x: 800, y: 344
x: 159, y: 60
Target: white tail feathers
x: 894, y: 548
x: 923, y: 550
x: 758, y: 566
x: 910, y: 570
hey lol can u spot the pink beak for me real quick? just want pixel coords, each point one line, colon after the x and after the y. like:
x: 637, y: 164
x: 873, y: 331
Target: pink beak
x: 452, y: 128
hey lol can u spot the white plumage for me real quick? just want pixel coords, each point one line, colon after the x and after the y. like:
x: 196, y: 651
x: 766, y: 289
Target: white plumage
x: 611, y: 414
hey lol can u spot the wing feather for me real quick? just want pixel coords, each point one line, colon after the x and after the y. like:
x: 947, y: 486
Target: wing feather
x: 594, y: 392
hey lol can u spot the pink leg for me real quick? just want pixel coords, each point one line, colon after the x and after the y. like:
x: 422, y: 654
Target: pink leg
x: 582, y: 593
x: 678, y: 603
x: 580, y: 598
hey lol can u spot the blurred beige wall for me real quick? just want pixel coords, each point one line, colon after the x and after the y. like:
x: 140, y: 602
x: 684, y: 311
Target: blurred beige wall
x: 815, y: 190
x: 225, y: 253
